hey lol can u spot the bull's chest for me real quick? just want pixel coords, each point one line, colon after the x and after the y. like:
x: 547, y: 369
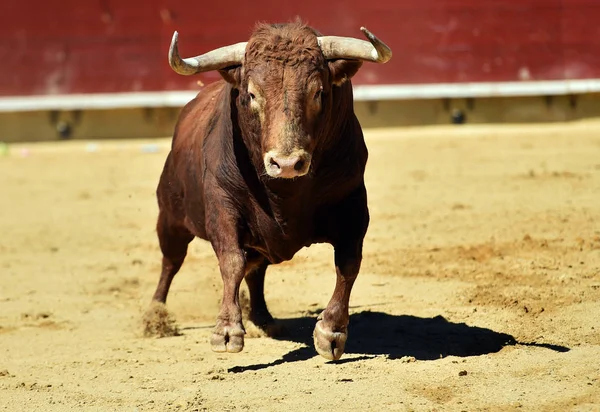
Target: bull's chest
x: 279, y: 239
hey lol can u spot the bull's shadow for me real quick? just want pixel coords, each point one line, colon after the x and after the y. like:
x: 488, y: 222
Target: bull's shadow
x: 377, y: 333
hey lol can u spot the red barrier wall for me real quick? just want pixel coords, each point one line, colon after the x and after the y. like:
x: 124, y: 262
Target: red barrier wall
x: 69, y: 46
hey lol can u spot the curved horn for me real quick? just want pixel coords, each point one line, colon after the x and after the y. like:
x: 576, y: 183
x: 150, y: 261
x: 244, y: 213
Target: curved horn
x: 213, y: 60
x: 334, y: 47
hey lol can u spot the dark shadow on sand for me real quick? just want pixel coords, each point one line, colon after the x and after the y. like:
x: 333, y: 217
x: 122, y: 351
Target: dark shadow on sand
x: 377, y: 333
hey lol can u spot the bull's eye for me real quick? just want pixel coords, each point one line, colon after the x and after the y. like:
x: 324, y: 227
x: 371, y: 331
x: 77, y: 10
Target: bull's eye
x: 318, y: 93
x: 252, y: 96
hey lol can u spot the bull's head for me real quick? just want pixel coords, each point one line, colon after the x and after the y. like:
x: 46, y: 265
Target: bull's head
x: 285, y: 75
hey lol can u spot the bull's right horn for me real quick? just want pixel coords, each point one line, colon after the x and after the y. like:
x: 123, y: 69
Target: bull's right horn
x: 335, y: 47
x: 213, y: 60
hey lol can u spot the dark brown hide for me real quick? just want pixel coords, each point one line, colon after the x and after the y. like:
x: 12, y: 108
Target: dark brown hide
x: 214, y: 184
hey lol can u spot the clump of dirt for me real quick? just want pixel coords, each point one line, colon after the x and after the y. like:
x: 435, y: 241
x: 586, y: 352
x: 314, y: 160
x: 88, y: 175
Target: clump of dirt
x: 546, y: 174
x: 158, y: 322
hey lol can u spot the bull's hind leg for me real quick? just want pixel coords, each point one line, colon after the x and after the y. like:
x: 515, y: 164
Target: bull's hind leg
x: 173, y: 240
x: 259, y: 313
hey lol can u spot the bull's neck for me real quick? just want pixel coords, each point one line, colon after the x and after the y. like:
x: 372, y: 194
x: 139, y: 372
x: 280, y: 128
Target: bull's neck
x: 279, y: 198
x: 288, y: 202
x: 338, y: 119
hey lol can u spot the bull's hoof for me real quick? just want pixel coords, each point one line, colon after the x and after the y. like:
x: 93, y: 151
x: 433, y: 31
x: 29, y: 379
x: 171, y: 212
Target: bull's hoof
x: 329, y: 344
x: 275, y: 330
x: 261, y: 330
x: 261, y: 324
x: 227, y: 338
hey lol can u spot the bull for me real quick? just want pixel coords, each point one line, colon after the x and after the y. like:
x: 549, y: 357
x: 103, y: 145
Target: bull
x: 264, y: 162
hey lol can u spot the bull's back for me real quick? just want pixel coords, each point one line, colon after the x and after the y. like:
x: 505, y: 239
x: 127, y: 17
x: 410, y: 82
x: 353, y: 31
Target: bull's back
x: 180, y: 190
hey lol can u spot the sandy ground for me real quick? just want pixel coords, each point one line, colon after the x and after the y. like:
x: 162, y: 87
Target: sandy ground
x: 480, y: 287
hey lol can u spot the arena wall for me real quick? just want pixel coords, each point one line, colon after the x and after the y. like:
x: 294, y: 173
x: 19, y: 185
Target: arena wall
x: 64, y: 59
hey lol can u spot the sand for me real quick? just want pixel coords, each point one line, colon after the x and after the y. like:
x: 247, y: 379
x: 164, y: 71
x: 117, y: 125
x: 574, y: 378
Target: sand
x: 480, y: 285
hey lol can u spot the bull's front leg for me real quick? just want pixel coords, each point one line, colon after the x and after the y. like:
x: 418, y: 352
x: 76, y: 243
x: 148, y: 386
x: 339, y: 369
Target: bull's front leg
x: 222, y: 230
x: 331, y: 330
x: 228, y: 335
x: 352, y: 221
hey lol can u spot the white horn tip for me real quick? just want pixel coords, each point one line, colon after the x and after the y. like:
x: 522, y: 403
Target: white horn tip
x: 367, y: 33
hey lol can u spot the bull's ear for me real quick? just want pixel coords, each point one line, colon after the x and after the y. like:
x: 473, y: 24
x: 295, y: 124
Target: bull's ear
x: 342, y: 70
x: 232, y: 74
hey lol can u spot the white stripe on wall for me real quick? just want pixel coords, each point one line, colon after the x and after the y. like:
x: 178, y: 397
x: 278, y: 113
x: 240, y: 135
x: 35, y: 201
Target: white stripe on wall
x: 361, y: 93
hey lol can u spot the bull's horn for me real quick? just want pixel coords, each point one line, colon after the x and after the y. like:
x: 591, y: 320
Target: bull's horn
x: 213, y: 60
x: 334, y: 47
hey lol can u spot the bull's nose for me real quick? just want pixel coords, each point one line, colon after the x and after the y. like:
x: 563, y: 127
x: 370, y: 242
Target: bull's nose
x: 294, y: 165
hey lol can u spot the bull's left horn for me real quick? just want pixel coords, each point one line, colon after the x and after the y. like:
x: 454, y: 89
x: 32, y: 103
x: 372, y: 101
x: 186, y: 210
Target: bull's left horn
x: 220, y: 58
x: 334, y: 47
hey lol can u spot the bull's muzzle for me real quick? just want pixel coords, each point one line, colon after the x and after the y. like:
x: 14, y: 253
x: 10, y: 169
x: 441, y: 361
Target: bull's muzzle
x: 287, y: 166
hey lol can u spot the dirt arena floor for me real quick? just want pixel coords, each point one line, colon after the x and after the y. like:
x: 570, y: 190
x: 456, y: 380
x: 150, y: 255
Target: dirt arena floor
x: 480, y: 286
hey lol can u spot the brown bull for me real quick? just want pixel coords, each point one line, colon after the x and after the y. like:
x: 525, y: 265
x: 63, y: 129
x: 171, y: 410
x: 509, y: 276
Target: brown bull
x: 266, y: 162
